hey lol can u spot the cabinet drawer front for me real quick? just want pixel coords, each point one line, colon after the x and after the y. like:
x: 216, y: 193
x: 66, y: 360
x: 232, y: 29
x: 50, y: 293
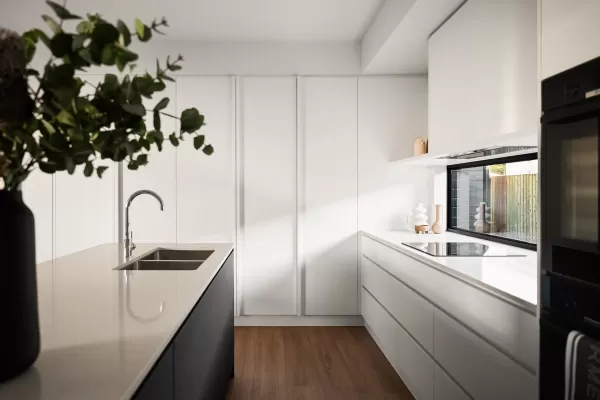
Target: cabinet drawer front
x: 413, y: 365
x: 413, y: 312
x: 444, y: 387
x: 482, y: 370
x: 508, y: 327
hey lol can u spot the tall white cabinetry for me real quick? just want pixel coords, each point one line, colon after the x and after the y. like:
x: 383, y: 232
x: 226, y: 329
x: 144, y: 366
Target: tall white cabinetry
x: 483, y: 77
x: 205, y: 185
x: 569, y: 34
x: 267, y: 158
x: 328, y: 148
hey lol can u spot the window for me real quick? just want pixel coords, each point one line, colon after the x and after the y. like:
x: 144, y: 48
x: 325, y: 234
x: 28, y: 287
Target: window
x: 495, y: 200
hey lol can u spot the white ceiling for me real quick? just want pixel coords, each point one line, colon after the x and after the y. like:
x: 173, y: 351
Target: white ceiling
x: 223, y: 20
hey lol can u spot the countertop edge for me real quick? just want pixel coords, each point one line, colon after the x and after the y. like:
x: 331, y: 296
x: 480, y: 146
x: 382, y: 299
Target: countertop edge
x: 141, y: 377
x: 509, y: 298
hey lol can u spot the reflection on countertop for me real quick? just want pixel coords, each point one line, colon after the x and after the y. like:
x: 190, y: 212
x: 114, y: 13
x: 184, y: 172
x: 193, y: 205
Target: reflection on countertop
x: 103, y: 329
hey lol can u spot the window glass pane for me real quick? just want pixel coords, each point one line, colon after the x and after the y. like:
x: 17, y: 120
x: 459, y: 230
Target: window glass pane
x: 498, y: 200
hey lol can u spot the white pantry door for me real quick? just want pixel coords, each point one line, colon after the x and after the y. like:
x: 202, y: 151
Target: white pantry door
x: 267, y: 140
x: 329, y: 224
x: 206, y: 184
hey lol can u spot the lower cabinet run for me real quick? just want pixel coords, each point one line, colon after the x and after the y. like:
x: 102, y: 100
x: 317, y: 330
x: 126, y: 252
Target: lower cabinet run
x: 198, y: 362
x: 436, y: 355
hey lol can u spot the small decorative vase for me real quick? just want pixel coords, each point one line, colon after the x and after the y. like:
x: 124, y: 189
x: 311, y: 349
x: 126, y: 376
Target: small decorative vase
x: 481, y: 219
x: 19, y: 330
x: 420, y: 219
x: 437, y: 226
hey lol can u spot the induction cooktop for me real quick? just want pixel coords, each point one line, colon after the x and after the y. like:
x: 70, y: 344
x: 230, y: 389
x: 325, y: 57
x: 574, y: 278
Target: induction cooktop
x: 460, y: 249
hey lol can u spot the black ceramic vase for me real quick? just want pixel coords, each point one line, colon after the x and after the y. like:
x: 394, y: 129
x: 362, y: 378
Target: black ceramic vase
x: 19, y: 326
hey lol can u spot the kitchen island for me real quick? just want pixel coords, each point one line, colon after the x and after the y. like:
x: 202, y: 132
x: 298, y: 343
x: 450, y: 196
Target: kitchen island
x: 115, y: 334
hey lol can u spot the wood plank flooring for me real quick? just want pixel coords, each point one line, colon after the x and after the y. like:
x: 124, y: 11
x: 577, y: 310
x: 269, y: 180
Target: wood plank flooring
x: 312, y: 363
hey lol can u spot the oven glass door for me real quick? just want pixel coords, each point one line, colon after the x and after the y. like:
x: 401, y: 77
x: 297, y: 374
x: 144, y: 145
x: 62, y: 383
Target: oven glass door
x: 571, y: 182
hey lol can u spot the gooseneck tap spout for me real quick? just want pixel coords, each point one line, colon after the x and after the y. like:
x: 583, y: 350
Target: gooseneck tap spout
x: 129, y: 245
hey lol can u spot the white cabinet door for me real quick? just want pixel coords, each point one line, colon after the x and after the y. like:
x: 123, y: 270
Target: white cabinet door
x: 329, y: 167
x: 268, y: 217
x: 37, y: 194
x: 569, y: 29
x: 412, y: 364
x: 147, y: 222
x: 482, y: 370
x: 444, y: 388
x: 85, y: 213
x: 483, y: 76
x: 206, y: 184
x: 392, y: 112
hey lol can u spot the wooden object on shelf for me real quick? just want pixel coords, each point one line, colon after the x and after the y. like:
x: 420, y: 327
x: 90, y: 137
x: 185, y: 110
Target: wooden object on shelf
x: 420, y: 147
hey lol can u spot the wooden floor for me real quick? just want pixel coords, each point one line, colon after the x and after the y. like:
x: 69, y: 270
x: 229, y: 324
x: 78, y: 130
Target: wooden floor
x: 312, y: 363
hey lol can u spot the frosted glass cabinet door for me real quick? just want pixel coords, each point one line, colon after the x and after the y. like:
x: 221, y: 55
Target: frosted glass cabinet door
x: 206, y: 184
x: 329, y: 169
x: 148, y: 223
x: 267, y: 140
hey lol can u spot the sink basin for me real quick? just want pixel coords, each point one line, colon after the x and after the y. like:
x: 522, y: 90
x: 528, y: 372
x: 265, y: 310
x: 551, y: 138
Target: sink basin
x: 162, y: 265
x: 177, y: 255
x: 168, y: 260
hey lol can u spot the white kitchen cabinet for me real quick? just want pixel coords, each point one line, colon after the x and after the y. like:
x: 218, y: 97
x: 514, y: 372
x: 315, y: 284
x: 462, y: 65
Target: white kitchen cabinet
x: 328, y: 165
x: 413, y: 364
x: 147, y: 221
x: 412, y: 311
x: 85, y: 212
x: 482, y: 370
x: 267, y: 143
x: 444, y: 388
x: 483, y: 77
x: 205, y: 201
x: 569, y: 34
x: 38, y: 196
x: 392, y: 113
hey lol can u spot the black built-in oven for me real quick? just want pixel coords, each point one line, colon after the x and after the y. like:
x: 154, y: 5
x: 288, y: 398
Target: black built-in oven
x: 570, y: 246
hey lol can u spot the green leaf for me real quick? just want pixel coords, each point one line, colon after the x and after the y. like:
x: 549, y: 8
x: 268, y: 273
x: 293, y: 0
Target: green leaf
x: 191, y: 120
x: 162, y: 104
x: 52, y: 23
x: 49, y: 128
x: 47, y: 167
x: 135, y: 109
x: 125, y: 34
x: 64, y: 117
x: 111, y: 83
x: 143, y: 32
x: 61, y: 12
x: 85, y: 27
x: 174, y: 140
x: 70, y: 164
x: 88, y: 170
x: 145, y: 144
x: 208, y: 150
x: 167, y: 78
x: 105, y: 33
x: 86, y: 55
x: 108, y: 55
x: 198, y: 141
x: 132, y: 165
x: 100, y: 170
x: 142, y: 159
x: 157, y: 120
x: 61, y: 44
x: 78, y: 42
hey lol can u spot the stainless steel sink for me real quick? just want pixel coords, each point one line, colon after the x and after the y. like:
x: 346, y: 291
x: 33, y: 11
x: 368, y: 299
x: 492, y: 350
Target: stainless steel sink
x: 164, y: 265
x: 168, y: 260
x: 177, y: 255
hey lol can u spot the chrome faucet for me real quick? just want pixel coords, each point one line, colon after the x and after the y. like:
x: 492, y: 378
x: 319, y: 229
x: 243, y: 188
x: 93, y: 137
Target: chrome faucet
x: 129, y: 245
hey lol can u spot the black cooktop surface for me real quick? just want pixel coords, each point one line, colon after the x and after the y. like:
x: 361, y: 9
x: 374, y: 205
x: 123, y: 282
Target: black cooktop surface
x: 451, y: 249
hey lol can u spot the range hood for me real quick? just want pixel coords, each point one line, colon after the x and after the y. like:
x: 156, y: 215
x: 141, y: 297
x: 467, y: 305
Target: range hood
x: 490, y: 152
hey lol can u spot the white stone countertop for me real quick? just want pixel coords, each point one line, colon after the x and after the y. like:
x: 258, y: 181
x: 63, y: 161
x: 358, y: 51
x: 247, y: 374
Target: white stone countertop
x: 512, y: 278
x: 102, y: 329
